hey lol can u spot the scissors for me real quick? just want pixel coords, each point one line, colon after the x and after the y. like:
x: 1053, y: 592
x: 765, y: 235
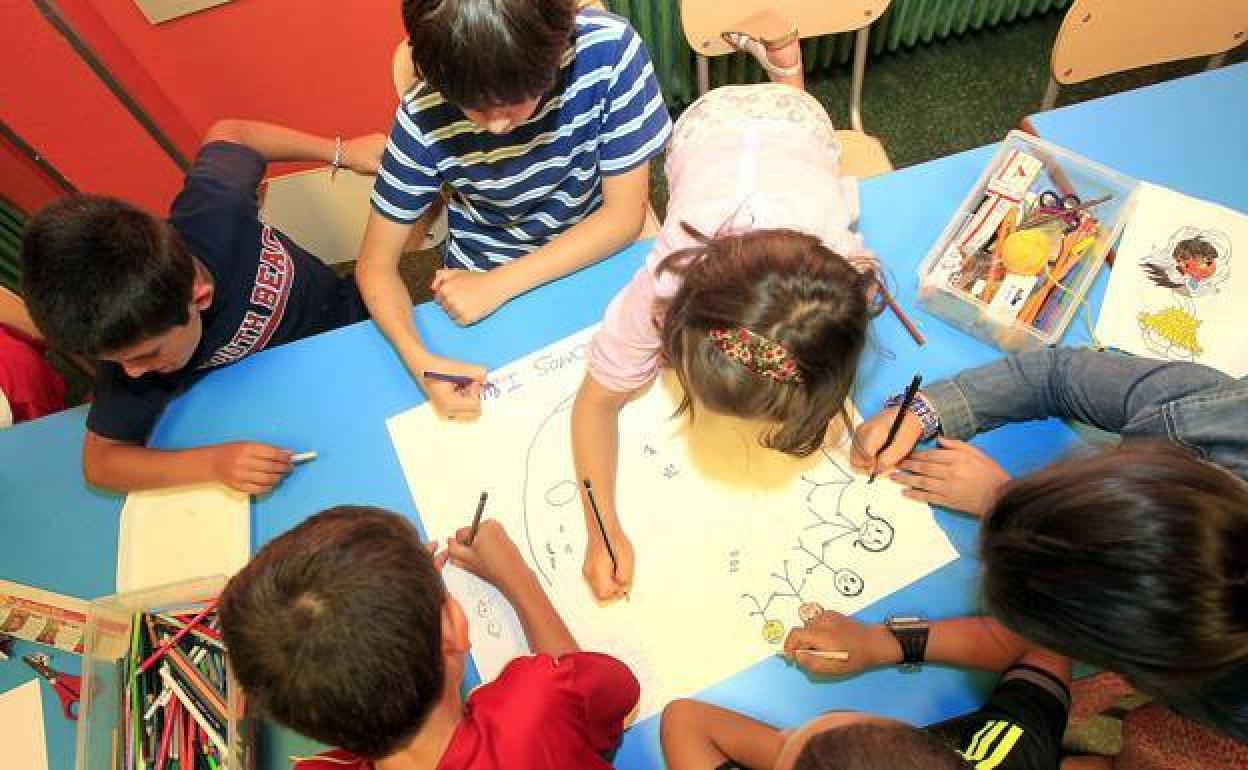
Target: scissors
x: 1050, y: 206
x: 68, y: 688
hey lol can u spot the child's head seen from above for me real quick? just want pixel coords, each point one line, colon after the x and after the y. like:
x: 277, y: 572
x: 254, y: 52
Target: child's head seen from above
x: 494, y: 59
x: 853, y: 740
x: 767, y: 325
x: 106, y: 279
x: 342, y: 630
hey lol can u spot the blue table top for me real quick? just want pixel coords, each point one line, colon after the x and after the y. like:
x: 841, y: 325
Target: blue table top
x: 332, y: 393
x: 1186, y: 134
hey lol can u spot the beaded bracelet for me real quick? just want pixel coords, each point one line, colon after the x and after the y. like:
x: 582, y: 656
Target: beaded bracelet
x: 922, y: 408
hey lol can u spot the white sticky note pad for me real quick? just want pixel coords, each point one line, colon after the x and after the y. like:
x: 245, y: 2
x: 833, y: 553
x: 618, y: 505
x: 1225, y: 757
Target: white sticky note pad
x: 181, y: 533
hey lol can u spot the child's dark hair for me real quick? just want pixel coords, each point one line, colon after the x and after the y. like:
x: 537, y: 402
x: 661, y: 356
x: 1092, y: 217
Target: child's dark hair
x: 489, y: 53
x: 99, y: 275
x: 781, y: 285
x: 873, y: 746
x: 334, y: 629
x: 1134, y: 559
x: 1195, y: 247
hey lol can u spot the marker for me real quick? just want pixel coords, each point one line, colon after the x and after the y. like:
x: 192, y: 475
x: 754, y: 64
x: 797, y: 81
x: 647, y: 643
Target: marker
x: 458, y: 380
x: 302, y: 457
x: 906, y: 401
x: 476, y: 520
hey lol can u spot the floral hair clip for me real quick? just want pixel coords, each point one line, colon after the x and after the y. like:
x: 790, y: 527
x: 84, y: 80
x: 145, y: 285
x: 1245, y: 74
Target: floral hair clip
x: 757, y: 353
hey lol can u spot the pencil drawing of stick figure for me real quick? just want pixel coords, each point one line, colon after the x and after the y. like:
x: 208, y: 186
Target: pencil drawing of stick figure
x: 773, y: 628
x: 846, y: 582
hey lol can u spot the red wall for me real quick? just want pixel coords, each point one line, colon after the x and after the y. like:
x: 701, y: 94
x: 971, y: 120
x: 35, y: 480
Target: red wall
x: 25, y: 185
x: 50, y: 99
x: 316, y: 65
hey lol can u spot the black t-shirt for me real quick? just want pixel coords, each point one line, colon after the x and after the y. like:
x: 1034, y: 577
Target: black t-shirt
x: 1019, y: 728
x: 267, y: 290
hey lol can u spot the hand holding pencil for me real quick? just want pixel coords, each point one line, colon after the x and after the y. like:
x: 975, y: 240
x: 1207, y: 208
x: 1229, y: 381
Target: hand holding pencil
x: 832, y: 644
x: 491, y: 555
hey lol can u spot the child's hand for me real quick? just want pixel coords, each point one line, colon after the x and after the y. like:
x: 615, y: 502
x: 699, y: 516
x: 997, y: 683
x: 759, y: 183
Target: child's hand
x: 607, y: 583
x: 867, y: 646
x: 870, y: 437
x: 363, y: 154
x: 450, y: 400
x: 467, y: 296
x: 249, y: 466
x: 493, y: 556
x: 957, y: 476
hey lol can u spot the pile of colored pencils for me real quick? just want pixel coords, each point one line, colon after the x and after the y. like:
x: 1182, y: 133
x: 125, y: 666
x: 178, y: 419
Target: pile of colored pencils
x: 175, y: 711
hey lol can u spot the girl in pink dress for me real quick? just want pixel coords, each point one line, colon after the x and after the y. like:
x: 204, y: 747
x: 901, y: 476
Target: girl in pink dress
x: 757, y: 293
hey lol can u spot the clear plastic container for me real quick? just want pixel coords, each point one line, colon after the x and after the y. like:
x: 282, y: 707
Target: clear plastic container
x: 1062, y: 172
x: 106, y: 642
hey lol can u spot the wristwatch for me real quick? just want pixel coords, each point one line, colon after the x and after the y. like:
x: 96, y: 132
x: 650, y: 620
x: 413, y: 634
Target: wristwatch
x: 910, y: 631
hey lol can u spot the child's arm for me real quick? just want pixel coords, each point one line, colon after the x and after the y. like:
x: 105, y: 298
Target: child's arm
x: 493, y: 557
x: 699, y: 736
x: 972, y: 642
x: 247, y: 466
x: 469, y: 296
x: 595, y: 446
x: 390, y: 304
x: 277, y: 143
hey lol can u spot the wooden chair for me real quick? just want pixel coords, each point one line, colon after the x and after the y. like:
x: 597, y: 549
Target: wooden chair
x: 862, y: 155
x: 1102, y: 37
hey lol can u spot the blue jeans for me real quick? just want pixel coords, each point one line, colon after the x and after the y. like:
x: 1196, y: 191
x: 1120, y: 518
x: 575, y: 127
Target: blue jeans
x: 1190, y: 404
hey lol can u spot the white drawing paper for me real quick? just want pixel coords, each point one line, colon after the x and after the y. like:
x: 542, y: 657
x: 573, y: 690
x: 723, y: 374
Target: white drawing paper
x: 179, y: 533
x: 731, y: 538
x: 1177, y: 281
x: 21, y: 728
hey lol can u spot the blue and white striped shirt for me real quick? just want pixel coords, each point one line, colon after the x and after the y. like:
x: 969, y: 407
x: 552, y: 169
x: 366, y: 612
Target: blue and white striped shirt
x: 514, y: 192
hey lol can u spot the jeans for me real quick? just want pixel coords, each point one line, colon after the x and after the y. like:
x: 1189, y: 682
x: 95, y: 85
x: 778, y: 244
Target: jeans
x: 1192, y: 405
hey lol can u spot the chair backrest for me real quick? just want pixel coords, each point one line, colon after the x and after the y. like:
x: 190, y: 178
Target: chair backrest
x: 704, y: 20
x: 324, y: 214
x: 1101, y: 37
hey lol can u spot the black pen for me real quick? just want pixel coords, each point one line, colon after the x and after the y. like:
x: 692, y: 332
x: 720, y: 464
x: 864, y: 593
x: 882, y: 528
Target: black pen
x: 906, y: 401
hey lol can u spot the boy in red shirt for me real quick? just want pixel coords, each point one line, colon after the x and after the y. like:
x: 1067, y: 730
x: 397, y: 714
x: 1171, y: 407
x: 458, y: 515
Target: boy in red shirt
x: 342, y: 630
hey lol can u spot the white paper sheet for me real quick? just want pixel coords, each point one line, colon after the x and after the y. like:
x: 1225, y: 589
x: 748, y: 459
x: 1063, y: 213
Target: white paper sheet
x: 730, y: 538
x: 179, y: 533
x: 21, y: 728
x: 1164, y: 304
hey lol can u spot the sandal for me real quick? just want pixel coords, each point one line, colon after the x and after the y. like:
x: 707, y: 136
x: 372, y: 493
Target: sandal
x: 758, y: 48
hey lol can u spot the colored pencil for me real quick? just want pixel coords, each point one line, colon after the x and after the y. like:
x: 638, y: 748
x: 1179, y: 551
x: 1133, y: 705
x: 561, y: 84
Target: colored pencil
x: 593, y: 504
x: 476, y: 519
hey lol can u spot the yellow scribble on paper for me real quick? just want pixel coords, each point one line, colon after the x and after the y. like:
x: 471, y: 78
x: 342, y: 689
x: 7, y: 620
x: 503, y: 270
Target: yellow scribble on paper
x: 1174, y: 326
x: 773, y: 631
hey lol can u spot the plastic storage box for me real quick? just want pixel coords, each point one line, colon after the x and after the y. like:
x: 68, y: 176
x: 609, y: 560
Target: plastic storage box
x: 106, y: 644
x: 956, y: 280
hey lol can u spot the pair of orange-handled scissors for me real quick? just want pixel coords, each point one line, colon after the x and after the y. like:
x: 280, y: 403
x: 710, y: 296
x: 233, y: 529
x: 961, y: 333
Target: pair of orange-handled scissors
x: 68, y: 688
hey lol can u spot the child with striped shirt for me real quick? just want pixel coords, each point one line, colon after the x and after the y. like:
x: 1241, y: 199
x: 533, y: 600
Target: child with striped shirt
x: 542, y: 120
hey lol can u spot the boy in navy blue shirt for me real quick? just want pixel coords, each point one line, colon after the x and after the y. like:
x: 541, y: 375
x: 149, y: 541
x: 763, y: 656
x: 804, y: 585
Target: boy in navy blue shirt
x: 160, y: 303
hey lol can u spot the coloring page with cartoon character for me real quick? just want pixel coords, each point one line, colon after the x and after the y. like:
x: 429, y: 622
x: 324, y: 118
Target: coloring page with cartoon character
x: 1176, y: 288
x: 735, y: 543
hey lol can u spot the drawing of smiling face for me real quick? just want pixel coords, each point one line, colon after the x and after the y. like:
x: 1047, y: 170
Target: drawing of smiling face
x: 847, y: 582
x: 876, y: 534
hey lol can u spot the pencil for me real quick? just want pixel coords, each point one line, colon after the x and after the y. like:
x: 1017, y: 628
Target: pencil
x: 458, y: 380
x: 160, y: 651
x: 901, y: 316
x: 827, y: 654
x: 593, y: 504
x: 476, y: 519
x: 302, y: 457
x: 906, y: 401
